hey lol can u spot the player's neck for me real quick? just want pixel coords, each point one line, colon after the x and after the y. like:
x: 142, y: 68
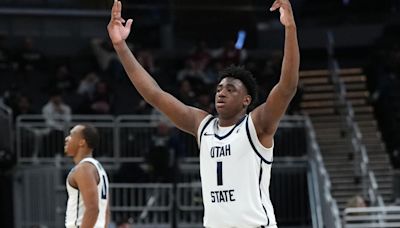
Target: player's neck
x: 230, y: 121
x: 81, y: 155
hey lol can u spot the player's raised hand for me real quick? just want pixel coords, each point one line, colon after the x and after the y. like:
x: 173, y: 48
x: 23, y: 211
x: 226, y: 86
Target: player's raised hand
x: 117, y: 31
x: 285, y: 9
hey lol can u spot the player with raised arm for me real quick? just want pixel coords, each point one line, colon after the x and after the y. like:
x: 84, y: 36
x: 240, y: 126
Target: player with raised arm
x: 236, y: 147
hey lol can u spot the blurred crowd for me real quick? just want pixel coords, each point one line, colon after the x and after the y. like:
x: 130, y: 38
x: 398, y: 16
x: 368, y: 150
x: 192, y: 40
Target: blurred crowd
x: 32, y: 83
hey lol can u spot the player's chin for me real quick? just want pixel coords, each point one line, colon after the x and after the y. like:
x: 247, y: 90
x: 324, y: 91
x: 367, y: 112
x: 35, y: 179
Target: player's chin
x: 66, y: 153
x: 222, y: 111
x: 219, y: 110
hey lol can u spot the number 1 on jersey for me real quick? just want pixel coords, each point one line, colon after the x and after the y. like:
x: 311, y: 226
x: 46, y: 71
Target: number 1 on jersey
x: 219, y: 173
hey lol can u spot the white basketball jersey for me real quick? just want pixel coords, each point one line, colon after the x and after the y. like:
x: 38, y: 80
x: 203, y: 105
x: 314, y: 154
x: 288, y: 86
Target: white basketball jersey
x: 235, y: 171
x: 75, y: 206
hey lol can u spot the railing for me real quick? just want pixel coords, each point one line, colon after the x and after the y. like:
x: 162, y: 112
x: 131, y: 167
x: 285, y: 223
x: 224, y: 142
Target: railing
x: 128, y: 139
x: 147, y: 204
x: 372, y: 217
x: 189, y: 205
x: 37, y: 142
x: 328, y: 213
x: 6, y: 123
x: 40, y: 199
x: 370, y: 186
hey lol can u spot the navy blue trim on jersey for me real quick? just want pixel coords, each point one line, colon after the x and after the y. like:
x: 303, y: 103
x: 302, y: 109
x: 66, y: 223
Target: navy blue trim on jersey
x: 259, y: 187
x: 252, y: 144
x: 260, y: 177
x: 204, y: 128
x: 230, y: 132
x: 77, y: 210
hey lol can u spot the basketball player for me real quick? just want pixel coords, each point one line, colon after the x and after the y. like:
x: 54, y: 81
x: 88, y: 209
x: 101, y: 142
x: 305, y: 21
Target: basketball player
x: 235, y: 147
x: 87, y: 183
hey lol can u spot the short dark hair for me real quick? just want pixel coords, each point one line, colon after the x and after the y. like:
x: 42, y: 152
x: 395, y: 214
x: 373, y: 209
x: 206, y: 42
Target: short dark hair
x: 245, y: 76
x: 91, y: 135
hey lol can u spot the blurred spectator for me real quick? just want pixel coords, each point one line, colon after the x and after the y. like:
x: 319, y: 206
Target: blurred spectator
x: 192, y: 72
x: 87, y: 86
x: 204, y: 101
x: 186, y: 93
x: 107, y: 59
x: 229, y: 55
x: 4, y: 53
x: 23, y: 106
x: 270, y: 74
x: 201, y: 55
x: 11, y: 95
x: 62, y: 81
x: 29, y: 58
x: 161, y: 154
x: 146, y: 59
x: 395, y: 155
x: 130, y: 172
x: 57, y: 114
x: 102, y: 102
x: 143, y: 108
x: 356, y: 201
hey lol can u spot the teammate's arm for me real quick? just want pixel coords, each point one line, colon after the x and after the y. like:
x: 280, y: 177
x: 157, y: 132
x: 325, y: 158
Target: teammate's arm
x: 267, y: 116
x: 86, y: 179
x: 185, y: 117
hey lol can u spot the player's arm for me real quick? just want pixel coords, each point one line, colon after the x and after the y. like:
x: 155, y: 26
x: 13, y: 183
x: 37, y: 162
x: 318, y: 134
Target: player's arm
x: 185, y: 117
x: 86, y: 179
x: 108, y: 213
x: 267, y: 116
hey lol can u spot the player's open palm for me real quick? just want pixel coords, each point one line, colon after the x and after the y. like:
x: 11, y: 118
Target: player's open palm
x: 285, y: 9
x: 117, y: 31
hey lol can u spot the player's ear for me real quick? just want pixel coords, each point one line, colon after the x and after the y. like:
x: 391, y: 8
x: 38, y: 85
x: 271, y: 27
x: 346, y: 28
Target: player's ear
x: 82, y: 142
x: 247, y: 100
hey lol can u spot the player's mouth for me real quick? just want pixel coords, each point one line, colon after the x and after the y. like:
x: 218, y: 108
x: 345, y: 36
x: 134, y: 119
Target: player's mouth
x: 220, y: 104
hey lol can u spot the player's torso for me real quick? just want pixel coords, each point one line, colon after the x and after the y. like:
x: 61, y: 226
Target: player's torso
x: 75, y: 204
x: 230, y: 174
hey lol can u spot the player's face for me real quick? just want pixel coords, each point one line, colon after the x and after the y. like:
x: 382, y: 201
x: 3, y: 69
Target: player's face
x: 73, y: 141
x: 231, y: 97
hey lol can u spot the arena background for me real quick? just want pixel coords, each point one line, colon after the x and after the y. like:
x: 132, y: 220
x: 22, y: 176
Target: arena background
x: 337, y: 156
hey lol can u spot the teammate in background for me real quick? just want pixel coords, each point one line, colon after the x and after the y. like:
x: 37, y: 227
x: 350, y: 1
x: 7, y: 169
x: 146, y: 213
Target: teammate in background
x: 87, y: 183
x: 235, y: 146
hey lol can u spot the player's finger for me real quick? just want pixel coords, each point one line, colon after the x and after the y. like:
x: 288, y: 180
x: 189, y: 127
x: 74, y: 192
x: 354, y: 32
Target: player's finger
x: 116, y: 22
x: 285, y: 7
x: 119, y: 6
x: 275, y: 5
x: 128, y: 24
x: 114, y: 9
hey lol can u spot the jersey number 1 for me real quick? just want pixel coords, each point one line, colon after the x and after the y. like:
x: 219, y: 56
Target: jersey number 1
x: 219, y: 173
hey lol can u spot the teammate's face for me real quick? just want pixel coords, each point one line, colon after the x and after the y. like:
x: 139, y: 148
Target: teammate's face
x: 73, y: 141
x: 231, y: 97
